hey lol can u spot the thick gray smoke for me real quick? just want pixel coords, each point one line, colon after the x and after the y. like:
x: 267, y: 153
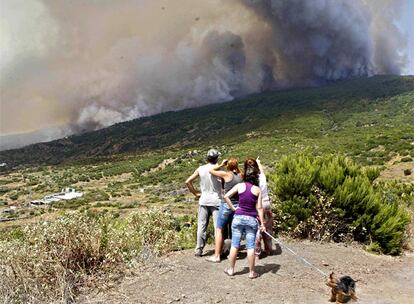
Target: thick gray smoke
x: 83, y: 65
x: 313, y: 41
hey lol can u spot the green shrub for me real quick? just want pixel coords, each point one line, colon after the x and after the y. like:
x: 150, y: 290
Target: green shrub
x: 88, y: 197
x: 295, y: 180
x: 129, y: 205
x: 372, y: 173
x: 388, y: 227
x: 4, y: 190
x: 14, y: 195
x: 330, y: 197
x: 67, y: 204
x: 99, y: 195
x: 374, y: 247
x: 83, y: 178
x: 406, y: 159
x: 187, y: 231
x: 393, y: 191
x: 5, y: 181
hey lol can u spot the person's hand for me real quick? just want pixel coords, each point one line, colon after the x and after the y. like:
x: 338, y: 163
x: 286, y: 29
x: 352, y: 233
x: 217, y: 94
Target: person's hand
x: 223, y: 163
x: 258, y: 160
x: 197, y: 195
x: 262, y: 228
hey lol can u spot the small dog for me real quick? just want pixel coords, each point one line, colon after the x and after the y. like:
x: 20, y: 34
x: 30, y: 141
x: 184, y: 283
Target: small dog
x: 343, y: 290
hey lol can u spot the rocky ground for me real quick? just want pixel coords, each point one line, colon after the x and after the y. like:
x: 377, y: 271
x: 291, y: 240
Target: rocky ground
x: 182, y: 278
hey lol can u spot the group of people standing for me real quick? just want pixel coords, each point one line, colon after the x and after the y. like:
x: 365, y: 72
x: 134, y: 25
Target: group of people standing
x: 236, y: 197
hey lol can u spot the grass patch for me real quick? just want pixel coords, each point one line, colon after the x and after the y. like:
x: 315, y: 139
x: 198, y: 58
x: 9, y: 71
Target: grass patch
x: 50, y: 261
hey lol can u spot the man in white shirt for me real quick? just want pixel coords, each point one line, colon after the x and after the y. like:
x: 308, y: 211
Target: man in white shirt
x: 209, y: 199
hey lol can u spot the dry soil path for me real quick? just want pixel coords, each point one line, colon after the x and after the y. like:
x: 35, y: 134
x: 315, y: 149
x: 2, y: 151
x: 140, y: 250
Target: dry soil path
x: 182, y: 278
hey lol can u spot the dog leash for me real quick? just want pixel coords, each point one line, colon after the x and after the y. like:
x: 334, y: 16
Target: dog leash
x: 297, y: 256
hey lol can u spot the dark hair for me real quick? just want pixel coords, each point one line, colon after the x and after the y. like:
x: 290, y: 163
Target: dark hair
x: 212, y: 160
x: 251, y: 172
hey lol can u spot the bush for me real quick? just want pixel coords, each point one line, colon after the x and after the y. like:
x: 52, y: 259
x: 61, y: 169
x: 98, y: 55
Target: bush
x: 129, y: 205
x: 395, y: 191
x: 330, y: 197
x: 156, y: 230
x: 372, y: 173
x: 187, y: 231
x: 388, y: 228
x: 4, y: 190
x: 14, y: 195
x: 50, y: 261
x: 97, y: 195
x: 187, y: 235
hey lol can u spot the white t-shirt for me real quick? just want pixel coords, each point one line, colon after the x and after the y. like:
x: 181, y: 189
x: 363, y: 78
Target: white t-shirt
x: 210, y: 186
x: 263, y: 189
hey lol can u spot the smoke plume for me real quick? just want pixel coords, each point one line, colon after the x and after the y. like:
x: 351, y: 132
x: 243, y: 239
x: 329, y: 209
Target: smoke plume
x: 83, y: 65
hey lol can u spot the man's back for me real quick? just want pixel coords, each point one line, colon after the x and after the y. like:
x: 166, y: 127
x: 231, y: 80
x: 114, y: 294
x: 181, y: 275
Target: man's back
x: 210, y: 187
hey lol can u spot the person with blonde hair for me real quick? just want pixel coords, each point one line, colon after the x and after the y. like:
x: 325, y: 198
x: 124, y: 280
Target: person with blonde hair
x: 230, y: 178
x: 245, y: 216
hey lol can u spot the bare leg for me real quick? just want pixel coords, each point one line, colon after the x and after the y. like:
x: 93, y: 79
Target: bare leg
x: 251, y: 258
x: 251, y: 232
x: 219, y: 243
x: 232, y: 258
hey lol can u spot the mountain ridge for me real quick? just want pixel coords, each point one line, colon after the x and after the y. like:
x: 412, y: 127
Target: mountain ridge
x: 195, y: 126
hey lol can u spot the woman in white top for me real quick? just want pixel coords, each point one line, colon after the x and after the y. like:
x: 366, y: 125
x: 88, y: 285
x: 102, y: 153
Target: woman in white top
x: 268, y: 217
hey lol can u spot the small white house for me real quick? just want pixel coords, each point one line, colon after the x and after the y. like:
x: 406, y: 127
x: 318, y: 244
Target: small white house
x: 65, y: 194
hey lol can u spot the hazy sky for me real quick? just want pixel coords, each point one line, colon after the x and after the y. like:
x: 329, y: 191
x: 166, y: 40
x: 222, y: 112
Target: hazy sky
x: 407, y: 26
x: 67, y: 66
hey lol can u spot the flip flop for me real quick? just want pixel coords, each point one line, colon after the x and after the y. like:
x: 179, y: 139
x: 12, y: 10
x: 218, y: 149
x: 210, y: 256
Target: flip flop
x: 255, y: 276
x: 227, y: 271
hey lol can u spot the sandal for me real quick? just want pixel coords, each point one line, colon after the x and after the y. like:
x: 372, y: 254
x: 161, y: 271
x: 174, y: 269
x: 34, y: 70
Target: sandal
x: 254, y: 276
x: 228, y: 272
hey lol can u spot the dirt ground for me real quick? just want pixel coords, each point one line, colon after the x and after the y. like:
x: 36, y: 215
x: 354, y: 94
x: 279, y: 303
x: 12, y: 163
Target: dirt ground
x: 182, y: 278
x: 395, y: 170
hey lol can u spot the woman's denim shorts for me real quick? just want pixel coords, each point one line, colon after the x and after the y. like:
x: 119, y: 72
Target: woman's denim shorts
x: 246, y: 224
x: 225, y: 215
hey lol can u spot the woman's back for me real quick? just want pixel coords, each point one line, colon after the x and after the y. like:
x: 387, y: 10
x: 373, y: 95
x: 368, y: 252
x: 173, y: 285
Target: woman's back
x: 247, y: 201
x: 230, y: 184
